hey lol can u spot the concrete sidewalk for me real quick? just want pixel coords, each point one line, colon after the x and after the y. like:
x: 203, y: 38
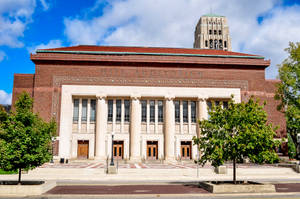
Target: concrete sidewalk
x: 126, y: 175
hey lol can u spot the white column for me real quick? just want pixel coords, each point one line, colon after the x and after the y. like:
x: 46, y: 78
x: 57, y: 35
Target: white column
x: 114, y: 116
x: 181, y: 116
x: 169, y: 129
x: 189, y: 117
x: 156, y: 117
x: 88, y: 116
x: 79, y: 115
x: 148, y: 117
x: 201, y: 112
x: 135, y: 128
x: 122, y: 116
x: 101, y: 126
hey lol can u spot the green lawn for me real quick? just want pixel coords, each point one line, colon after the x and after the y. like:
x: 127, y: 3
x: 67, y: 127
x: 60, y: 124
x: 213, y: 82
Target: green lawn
x: 7, y: 172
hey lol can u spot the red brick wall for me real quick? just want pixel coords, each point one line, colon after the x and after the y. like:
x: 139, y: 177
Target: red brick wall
x: 22, y: 82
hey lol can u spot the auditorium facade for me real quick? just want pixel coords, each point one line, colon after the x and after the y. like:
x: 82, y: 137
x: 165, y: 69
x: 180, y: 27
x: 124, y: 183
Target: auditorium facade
x: 144, y: 102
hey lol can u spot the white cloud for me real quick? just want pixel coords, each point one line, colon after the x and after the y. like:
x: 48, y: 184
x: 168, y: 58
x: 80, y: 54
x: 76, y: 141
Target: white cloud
x: 50, y: 44
x: 172, y: 23
x: 15, y: 15
x: 2, y: 56
x: 5, y: 98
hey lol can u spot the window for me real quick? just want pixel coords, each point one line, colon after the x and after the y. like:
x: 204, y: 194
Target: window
x: 220, y: 32
x: 119, y: 110
x: 215, y: 32
x: 160, y: 111
x: 209, y: 105
x: 185, y: 111
x: 177, y: 111
x: 110, y: 110
x: 225, y: 104
x: 93, y: 110
x: 75, y: 110
x: 210, y: 32
x: 193, y: 111
x: 127, y: 110
x: 225, y: 44
x: 220, y: 44
x: 216, y: 44
x: 211, y: 45
x: 84, y: 110
x: 206, y: 43
x: 144, y: 110
x: 152, y: 111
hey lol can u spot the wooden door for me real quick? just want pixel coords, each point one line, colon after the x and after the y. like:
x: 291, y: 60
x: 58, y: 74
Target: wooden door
x: 152, y: 150
x: 118, y: 149
x: 83, y: 149
x: 186, y: 152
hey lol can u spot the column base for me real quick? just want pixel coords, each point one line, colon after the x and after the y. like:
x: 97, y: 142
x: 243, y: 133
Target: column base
x: 170, y: 159
x: 100, y: 158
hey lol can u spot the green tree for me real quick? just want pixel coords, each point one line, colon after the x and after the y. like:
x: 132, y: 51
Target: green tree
x: 288, y: 91
x: 25, y: 139
x: 291, y: 147
x: 239, y: 131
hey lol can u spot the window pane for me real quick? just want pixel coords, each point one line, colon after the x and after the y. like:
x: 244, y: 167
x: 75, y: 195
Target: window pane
x: 160, y: 111
x: 225, y: 105
x: 144, y: 110
x: 84, y: 110
x: 177, y: 111
x: 93, y: 111
x: 119, y: 112
x: 217, y: 103
x: 127, y: 110
x: 152, y: 111
x: 193, y: 111
x: 185, y: 111
x: 110, y: 110
x: 209, y: 105
x: 76, y: 110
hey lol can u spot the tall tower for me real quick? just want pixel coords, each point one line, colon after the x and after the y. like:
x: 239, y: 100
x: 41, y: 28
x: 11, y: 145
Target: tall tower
x: 212, y: 32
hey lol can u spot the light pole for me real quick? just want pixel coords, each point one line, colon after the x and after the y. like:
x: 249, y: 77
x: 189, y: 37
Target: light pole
x: 112, y: 149
x: 52, y: 141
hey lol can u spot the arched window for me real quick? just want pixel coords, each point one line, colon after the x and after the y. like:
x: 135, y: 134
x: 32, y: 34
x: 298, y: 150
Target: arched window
x: 211, y: 45
x: 225, y: 44
x: 210, y: 32
x: 206, y: 43
x: 215, y: 32
x: 220, y: 44
x: 216, y: 44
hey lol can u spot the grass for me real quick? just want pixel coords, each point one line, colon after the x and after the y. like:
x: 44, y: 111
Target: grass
x: 7, y: 172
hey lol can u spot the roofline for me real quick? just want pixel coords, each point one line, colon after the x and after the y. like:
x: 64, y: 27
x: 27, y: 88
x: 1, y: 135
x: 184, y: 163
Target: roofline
x: 141, y: 53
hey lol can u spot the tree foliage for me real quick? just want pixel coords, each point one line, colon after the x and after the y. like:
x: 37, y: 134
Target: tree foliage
x: 239, y: 131
x: 288, y: 91
x: 291, y: 147
x: 25, y: 139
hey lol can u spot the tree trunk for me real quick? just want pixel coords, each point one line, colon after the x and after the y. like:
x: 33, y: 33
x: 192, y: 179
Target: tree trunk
x: 234, y: 171
x: 19, y: 180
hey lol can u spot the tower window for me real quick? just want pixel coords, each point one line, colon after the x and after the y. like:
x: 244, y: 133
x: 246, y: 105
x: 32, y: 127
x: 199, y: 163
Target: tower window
x: 215, y: 32
x: 225, y: 44
x: 220, y: 44
x: 206, y: 43
x: 211, y: 44
x: 220, y: 32
x: 216, y: 44
x: 210, y: 32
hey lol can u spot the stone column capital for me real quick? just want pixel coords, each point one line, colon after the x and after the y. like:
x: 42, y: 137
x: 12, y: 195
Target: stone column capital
x: 202, y: 98
x: 169, y: 97
x: 135, y: 96
x: 101, y: 96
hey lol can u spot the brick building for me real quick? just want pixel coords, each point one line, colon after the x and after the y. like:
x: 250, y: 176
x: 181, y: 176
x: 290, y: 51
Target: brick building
x: 149, y: 98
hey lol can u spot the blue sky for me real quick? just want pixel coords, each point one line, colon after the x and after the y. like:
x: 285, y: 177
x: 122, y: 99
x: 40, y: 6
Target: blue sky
x: 257, y: 27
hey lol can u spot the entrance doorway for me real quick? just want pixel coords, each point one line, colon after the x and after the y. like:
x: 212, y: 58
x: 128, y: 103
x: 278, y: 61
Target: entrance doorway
x: 83, y: 149
x: 152, y: 150
x: 118, y: 149
x: 186, y: 152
